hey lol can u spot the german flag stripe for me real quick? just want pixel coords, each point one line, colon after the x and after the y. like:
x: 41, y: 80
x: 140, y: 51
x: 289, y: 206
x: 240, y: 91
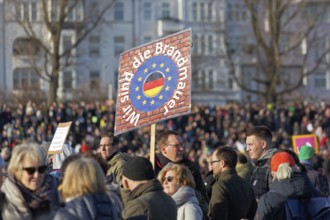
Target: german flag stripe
x: 153, y: 92
x: 153, y: 84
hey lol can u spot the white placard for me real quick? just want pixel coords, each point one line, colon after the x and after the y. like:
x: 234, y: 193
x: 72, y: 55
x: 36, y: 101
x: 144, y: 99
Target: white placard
x: 60, y: 135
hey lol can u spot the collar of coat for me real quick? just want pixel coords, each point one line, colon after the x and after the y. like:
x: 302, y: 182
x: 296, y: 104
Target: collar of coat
x: 150, y: 186
x: 226, y: 173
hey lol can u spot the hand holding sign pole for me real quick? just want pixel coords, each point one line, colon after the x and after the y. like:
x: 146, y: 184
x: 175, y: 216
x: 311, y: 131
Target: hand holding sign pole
x: 154, y: 84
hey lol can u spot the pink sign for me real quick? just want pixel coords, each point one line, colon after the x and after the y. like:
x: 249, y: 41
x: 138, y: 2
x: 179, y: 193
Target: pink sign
x: 308, y: 139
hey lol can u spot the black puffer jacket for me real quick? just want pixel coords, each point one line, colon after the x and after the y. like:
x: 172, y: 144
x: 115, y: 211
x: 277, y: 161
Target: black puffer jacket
x: 88, y: 207
x: 261, y: 177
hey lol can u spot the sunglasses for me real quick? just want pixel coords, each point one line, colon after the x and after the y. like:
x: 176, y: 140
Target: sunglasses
x: 168, y: 178
x: 32, y: 170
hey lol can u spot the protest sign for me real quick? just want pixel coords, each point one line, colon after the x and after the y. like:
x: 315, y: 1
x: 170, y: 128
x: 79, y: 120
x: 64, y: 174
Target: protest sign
x: 308, y: 139
x: 60, y: 135
x: 154, y: 82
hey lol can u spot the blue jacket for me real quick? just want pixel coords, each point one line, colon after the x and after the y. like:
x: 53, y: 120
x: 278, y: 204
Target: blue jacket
x: 271, y: 204
x: 88, y: 207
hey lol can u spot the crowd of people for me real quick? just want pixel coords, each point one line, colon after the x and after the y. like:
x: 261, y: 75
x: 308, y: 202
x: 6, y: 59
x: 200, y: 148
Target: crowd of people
x: 219, y: 162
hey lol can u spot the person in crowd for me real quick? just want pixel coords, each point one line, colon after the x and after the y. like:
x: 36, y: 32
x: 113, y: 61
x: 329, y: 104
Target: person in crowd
x: 288, y: 183
x: 259, y: 148
x: 232, y: 197
x: 146, y: 199
x: 57, y: 159
x: 172, y: 149
x: 6, y: 154
x: 244, y: 168
x: 209, y: 178
x: 116, y: 160
x: 112, y: 189
x: 179, y: 183
x: 319, y: 181
x: 30, y: 192
x: 83, y: 191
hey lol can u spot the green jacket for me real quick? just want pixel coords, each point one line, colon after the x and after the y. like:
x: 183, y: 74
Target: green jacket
x: 149, y: 201
x: 232, y: 198
x: 116, y: 164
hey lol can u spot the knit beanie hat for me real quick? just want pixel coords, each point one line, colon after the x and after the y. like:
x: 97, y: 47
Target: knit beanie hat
x: 306, y: 152
x: 138, y: 168
x: 280, y: 158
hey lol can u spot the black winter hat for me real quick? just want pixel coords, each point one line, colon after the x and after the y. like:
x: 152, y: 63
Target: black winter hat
x: 138, y: 168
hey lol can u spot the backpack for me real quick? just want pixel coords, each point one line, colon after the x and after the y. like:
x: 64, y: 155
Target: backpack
x: 316, y: 208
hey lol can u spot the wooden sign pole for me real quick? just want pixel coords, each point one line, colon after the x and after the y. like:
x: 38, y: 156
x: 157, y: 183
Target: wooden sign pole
x: 153, y: 144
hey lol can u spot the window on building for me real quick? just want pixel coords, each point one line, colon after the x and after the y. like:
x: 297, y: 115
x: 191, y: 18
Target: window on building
x: 26, y: 11
x: 194, y: 12
x: 94, y: 79
x: 34, y: 11
x: 25, y: 46
x: 318, y: 48
x: 210, y: 79
x: 202, y: 11
x: 147, y: 11
x: 210, y: 45
x: 166, y: 10
x: 67, y: 44
x: 203, y: 45
x: 119, y: 42
x: 147, y: 39
x: 234, y: 44
x: 119, y: 11
x: 236, y: 12
x: 320, y: 80
x: 195, y: 44
x: 54, y: 10
x: 67, y: 79
x: 75, y: 11
x: 94, y: 46
x: 209, y: 12
x: 25, y: 78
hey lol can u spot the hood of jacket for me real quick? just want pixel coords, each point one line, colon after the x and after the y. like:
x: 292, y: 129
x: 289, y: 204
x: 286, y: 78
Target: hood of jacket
x: 183, y: 195
x: 296, y: 187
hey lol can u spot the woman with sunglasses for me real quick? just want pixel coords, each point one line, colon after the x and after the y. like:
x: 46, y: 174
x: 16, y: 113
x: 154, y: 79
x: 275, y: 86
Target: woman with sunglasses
x: 30, y: 192
x: 178, y: 182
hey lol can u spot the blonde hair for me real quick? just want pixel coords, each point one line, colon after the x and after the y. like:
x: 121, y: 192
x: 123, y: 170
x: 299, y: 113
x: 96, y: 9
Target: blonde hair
x: 30, y: 151
x: 82, y: 176
x: 284, y: 171
x: 182, y: 174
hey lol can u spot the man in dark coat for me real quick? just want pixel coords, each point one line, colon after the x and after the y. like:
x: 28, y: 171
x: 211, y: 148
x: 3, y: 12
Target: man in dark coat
x: 146, y: 199
x: 232, y: 197
x: 259, y: 148
x: 171, y: 149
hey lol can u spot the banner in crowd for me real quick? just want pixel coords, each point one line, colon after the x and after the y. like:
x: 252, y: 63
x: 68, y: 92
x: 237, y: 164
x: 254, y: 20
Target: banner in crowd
x: 307, y: 139
x: 154, y: 82
x: 59, y: 138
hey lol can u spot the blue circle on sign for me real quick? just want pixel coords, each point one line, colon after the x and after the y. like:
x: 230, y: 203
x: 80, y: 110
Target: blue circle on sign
x: 153, y: 83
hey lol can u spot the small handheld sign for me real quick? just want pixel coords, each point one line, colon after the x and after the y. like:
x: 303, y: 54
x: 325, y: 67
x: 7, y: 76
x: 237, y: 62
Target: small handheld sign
x: 60, y: 135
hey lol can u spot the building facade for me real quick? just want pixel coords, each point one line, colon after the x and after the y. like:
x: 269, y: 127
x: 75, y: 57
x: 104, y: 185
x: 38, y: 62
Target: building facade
x: 92, y: 66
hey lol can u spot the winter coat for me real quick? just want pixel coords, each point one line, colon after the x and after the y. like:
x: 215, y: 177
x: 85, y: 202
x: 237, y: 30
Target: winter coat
x: 232, y: 198
x: 187, y: 204
x: 245, y: 171
x: 15, y: 206
x: 271, y: 204
x: 88, y: 207
x: 261, y: 177
x: 116, y: 163
x: 319, y: 181
x: 149, y: 201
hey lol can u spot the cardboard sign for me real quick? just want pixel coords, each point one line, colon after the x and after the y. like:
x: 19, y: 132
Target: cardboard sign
x: 154, y: 82
x: 308, y: 139
x: 60, y: 135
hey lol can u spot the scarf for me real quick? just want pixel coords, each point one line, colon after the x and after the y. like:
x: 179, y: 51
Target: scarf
x: 38, y: 199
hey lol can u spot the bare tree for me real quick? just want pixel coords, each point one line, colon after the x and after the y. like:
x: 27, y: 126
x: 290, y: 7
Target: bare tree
x: 45, y: 36
x: 284, y: 34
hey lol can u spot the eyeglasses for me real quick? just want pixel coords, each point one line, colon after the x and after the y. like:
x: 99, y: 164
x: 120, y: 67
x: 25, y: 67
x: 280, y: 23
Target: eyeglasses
x: 214, y: 161
x: 168, y: 178
x: 105, y: 145
x: 176, y: 145
x: 32, y: 170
